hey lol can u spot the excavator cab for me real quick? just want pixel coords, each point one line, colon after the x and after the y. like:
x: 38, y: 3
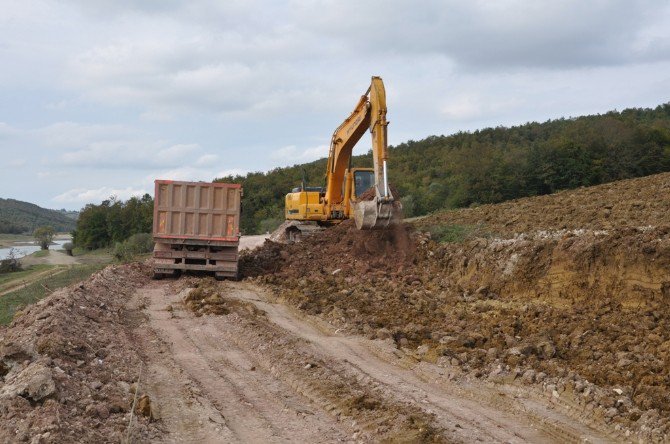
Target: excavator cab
x: 364, y: 179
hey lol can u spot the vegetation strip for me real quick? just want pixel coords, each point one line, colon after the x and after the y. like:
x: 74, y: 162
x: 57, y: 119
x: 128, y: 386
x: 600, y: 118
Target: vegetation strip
x: 12, y: 302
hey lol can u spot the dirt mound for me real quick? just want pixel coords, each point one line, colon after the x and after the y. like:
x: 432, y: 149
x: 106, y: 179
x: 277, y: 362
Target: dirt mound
x: 338, y: 250
x: 582, y: 314
x: 639, y: 202
x: 370, y: 193
x: 69, y: 372
x: 206, y: 297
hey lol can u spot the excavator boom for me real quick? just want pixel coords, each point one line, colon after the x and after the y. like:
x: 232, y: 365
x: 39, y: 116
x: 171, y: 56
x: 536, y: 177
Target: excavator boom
x: 369, y: 113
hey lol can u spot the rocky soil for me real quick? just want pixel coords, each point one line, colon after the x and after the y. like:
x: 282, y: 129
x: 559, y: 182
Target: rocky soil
x: 569, y: 293
x: 640, y: 202
x: 69, y: 371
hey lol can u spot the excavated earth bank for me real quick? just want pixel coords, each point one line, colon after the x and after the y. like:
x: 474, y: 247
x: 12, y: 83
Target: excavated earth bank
x: 70, y: 371
x: 580, y: 307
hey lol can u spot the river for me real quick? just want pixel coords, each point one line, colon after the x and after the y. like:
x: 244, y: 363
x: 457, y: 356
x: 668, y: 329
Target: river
x: 23, y: 249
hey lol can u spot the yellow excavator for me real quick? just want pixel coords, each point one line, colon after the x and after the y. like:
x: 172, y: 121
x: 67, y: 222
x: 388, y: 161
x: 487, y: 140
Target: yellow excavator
x: 309, y: 208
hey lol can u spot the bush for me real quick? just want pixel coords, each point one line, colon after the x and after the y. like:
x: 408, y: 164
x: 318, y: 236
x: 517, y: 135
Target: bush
x: 136, y: 244
x: 68, y: 247
x: 10, y: 264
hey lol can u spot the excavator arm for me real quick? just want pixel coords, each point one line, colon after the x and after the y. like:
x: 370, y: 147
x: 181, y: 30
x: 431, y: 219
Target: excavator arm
x: 369, y: 113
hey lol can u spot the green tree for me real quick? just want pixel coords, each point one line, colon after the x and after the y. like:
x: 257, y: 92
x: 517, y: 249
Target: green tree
x: 113, y: 221
x: 44, y: 235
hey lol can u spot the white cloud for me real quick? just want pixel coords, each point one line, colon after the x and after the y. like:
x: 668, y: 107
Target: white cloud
x: 7, y: 131
x: 83, y: 195
x: 291, y: 155
x: 17, y: 163
x: 206, y: 160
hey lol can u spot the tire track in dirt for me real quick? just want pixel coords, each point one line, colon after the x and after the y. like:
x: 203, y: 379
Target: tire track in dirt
x: 265, y: 372
x: 482, y: 413
x: 248, y: 405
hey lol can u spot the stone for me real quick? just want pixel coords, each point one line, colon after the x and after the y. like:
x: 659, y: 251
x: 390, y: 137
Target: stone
x: 528, y: 376
x: 34, y: 382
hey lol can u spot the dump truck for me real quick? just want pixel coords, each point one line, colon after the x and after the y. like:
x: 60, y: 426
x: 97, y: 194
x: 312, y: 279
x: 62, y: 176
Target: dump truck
x: 196, y: 227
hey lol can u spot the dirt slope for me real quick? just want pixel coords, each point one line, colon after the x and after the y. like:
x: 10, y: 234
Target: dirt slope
x: 568, y: 298
x: 67, y: 365
x: 639, y: 202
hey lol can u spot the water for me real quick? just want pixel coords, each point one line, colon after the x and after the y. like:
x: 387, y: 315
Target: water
x: 30, y: 248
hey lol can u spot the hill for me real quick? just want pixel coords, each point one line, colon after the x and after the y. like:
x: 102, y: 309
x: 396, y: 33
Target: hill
x: 492, y: 165
x: 23, y: 217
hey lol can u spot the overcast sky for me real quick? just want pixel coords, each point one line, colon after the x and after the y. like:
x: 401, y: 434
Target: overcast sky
x: 101, y: 97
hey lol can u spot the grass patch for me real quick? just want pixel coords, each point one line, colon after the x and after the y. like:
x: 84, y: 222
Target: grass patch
x: 454, y: 233
x: 40, y: 253
x: 23, y: 274
x: 17, y: 300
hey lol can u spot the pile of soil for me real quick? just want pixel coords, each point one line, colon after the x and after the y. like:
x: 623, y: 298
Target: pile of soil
x: 206, y: 297
x: 583, y: 315
x: 340, y: 250
x: 371, y: 192
x: 640, y: 202
x: 67, y: 367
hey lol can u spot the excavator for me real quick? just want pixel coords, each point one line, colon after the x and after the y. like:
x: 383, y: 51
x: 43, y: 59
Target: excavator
x: 310, y: 208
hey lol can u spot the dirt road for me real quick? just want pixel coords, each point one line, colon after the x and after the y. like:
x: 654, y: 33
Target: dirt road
x: 267, y: 373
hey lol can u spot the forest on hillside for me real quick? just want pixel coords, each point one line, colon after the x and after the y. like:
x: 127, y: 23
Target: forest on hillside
x: 490, y: 165
x: 18, y: 217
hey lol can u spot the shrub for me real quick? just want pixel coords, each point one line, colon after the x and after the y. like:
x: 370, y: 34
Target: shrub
x: 136, y: 244
x: 68, y: 247
x: 10, y: 264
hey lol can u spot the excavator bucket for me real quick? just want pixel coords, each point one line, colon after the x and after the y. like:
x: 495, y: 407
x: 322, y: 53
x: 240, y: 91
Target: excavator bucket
x: 376, y: 214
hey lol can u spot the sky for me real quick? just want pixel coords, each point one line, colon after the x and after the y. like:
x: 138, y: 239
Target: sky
x: 101, y: 97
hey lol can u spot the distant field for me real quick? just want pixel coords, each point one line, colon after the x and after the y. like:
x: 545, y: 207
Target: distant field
x: 10, y: 303
x: 8, y: 278
x: 8, y: 240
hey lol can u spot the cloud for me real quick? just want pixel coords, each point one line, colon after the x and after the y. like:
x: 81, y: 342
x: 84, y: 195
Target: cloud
x: 291, y: 155
x: 17, y: 163
x: 206, y: 160
x: 7, y: 131
x: 83, y: 195
x: 137, y: 154
x: 120, y: 92
x: 502, y: 34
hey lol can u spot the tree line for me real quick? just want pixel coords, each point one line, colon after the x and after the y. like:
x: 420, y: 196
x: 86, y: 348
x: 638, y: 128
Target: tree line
x: 490, y: 165
x: 113, y: 221
x: 441, y: 172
